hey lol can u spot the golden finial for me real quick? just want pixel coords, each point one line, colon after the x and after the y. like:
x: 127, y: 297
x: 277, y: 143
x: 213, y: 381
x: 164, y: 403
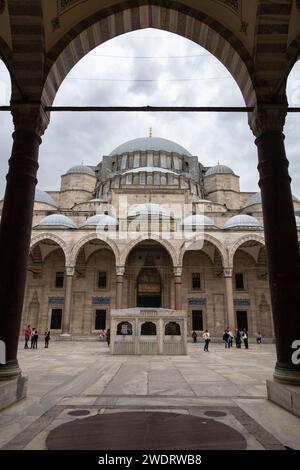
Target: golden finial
x: 150, y: 132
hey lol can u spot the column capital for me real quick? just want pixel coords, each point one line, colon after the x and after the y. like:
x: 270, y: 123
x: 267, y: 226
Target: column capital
x: 268, y: 118
x: 70, y: 270
x: 177, y: 270
x: 30, y: 117
x: 120, y: 270
x: 227, y: 271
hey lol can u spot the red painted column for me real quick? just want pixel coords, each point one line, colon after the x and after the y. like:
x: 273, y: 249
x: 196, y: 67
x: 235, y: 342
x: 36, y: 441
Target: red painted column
x: 281, y: 240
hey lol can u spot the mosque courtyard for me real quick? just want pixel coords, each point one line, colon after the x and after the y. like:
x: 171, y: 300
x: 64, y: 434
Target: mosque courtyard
x: 80, y: 382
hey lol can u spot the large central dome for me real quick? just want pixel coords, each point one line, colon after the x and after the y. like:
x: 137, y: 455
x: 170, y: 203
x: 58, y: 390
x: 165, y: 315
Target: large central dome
x: 150, y: 143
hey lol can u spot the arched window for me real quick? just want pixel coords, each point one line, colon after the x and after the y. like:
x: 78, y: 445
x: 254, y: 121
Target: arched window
x: 124, y: 328
x: 148, y: 328
x: 172, y: 329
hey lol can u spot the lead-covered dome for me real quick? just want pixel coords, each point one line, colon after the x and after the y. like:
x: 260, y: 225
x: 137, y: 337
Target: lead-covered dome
x: 242, y: 221
x: 43, y: 197
x: 147, y: 209
x: 256, y: 199
x: 57, y: 220
x: 219, y: 170
x: 102, y: 220
x: 198, y: 220
x: 81, y: 169
x: 150, y: 143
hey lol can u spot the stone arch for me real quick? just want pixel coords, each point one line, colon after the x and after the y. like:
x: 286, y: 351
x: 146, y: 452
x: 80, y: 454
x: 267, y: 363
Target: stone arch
x: 50, y: 236
x: 245, y: 238
x: 173, y: 17
x: 133, y: 243
x: 77, y: 247
x: 209, y: 238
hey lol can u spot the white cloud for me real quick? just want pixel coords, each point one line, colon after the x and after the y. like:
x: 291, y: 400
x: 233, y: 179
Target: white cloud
x: 73, y: 137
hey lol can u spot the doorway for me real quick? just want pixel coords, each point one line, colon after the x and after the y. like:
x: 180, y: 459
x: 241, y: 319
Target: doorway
x: 149, y: 288
x: 242, y: 320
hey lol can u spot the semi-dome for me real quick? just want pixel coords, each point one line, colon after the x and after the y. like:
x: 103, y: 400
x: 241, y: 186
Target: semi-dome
x: 148, y: 209
x: 242, y: 220
x: 219, y: 170
x: 102, y: 220
x: 57, y: 220
x: 43, y: 197
x: 81, y: 169
x: 150, y: 143
x: 256, y: 199
x: 198, y: 220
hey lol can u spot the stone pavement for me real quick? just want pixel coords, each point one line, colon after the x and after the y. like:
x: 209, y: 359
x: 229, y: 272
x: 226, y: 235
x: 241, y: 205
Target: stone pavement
x: 78, y: 380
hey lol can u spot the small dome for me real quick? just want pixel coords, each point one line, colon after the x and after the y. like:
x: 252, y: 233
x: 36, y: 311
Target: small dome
x: 242, y: 220
x: 43, y: 197
x: 81, y: 169
x: 148, y: 209
x: 198, y: 220
x: 57, y: 220
x: 100, y: 220
x: 256, y: 199
x: 150, y: 143
x: 219, y: 170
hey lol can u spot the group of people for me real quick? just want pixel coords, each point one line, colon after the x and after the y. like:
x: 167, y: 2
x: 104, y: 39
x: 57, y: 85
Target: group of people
x: 33, y: 336
x: 228, y: 338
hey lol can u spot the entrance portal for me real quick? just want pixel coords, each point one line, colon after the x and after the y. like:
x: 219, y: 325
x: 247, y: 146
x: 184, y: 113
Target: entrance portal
x: 149, y: 288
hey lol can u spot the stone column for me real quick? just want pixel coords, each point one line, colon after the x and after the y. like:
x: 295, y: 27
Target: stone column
x: 66, y: 321
x: 119, y: 287
x: 178, y: 287
x: 229, y: 298
x: 15, y: 229
x: 281, y: 237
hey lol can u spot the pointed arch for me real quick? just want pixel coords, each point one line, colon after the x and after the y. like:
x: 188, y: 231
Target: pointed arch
x: 244, y: 239
x: 50, y: 236
x: 133, y: 243
x: 88, y: 238
x: 209, y: 238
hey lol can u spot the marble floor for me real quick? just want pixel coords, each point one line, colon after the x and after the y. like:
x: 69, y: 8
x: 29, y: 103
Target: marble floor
x: 75, y: 379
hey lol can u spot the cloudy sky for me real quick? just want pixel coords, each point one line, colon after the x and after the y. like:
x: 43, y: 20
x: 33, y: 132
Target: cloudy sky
x: 149, y: 67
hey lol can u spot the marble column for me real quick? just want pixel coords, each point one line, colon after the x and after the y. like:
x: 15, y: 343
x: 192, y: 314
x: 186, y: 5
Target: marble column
x: 66, y: 320
x: 229, y: 298
x: 281, y: 237
x: 15, y: 228
x: 119, y: 286
x: 178, y: 287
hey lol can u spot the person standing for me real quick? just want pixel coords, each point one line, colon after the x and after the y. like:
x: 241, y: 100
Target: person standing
x: 27, y: 334
x: 47, y: 338
x: 206, y: 337
x: 32, y: 338
x: 194, y: 336
x: 238, y: 339
x: 35, y: 339
x: 108, y: 337
x: 226, y: 338
x: 245, y: 338
x: 230, y: 338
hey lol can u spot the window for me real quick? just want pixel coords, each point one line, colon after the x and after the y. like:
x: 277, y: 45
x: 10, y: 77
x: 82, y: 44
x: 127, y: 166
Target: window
x: 148, y: 328
x: 172, y: 329
x: 197, y: 319
x: 239, y: 281
x: 124, y: 328
x: 59, y: 280
x: 56, y: 316
x: 102, y: 280
x: 100, y: 320
x: 196, y: 281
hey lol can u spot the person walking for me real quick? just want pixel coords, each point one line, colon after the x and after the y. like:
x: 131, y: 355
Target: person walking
x: 206, y: 337
x: 194, y: 336
x: 47, y: 338
x: 27, y: 334
x: 226, y: 338
x: 245, y: 338
x: 238, y: 339
x: 108, y: 337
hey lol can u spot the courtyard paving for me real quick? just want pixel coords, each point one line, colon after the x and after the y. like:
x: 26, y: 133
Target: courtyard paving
x: 78, y: 379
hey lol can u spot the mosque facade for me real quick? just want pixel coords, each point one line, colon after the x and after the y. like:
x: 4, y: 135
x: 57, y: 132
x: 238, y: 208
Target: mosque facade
x: 149, y: 227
